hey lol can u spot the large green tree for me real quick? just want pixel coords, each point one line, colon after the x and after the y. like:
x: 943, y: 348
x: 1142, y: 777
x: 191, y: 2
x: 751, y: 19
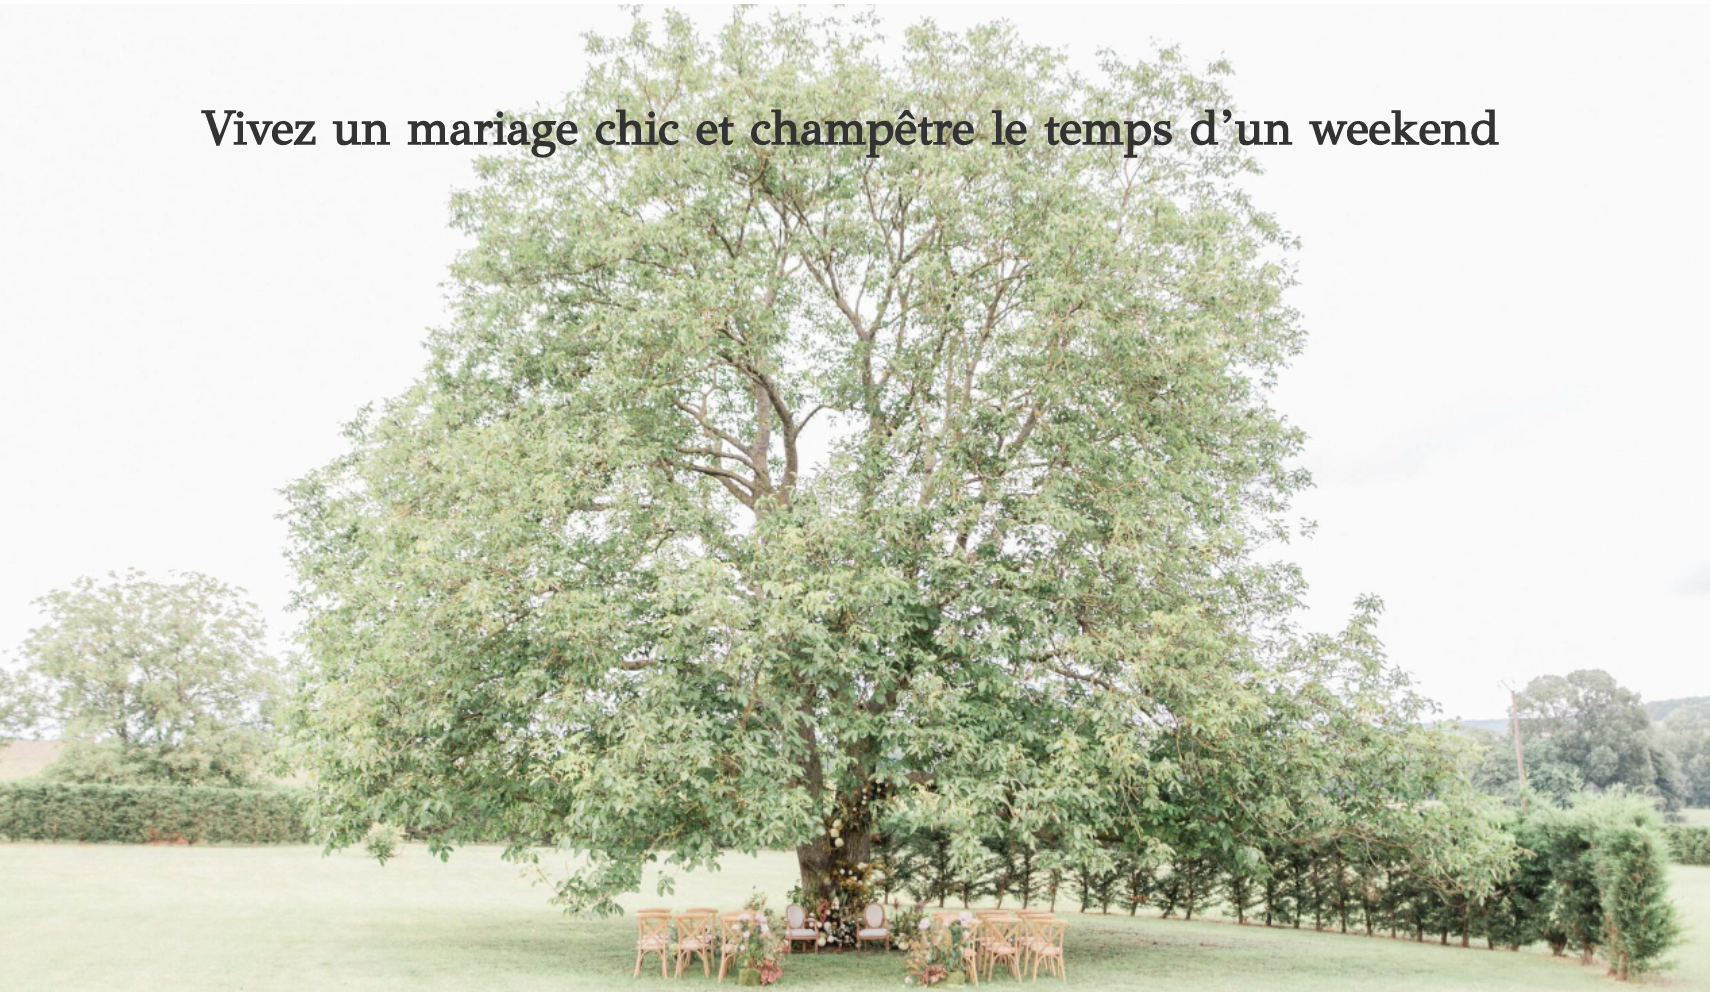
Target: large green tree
x: 762, y: 496
x: 1585, y: 729
x: 1685, y: 733
x: 146, y: 681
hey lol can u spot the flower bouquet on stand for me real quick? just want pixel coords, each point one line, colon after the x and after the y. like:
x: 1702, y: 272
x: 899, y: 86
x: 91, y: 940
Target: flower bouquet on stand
x: 835, y: 923
x: 938, y: 956
x: 905, y: 928
x: 760, y: 948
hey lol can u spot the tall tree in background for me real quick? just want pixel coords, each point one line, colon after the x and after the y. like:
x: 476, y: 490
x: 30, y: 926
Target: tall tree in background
x: 759, y: 496
x: 147, y: 681
x: 1685, y: 733
x: 1596, y: 725
x: 1601, y: 730
x: 1584, y: 730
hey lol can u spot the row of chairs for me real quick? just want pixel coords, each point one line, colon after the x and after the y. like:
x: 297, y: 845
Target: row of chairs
x: 703, y: 931
x: 700, y: 932
x: 1019, y: 940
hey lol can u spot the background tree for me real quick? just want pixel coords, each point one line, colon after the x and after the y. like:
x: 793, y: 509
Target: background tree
x: 1685, y: 732
x: 147, y: 681
x: 1584, y: 730
x: 1548, y: 777
x: 1595, y: 725
x: 774, y: 496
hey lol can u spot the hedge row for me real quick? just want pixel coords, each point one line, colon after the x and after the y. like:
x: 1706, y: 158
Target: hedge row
x: 151, y: 814
x: 1591, y: 879
x: 1689, y: 845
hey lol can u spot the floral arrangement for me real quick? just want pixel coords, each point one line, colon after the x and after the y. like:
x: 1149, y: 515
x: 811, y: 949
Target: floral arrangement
x: 836, y: 926
x: 937, y: 957
x: 837, y: 910
x: 905, y: 927
x: 760, y: 947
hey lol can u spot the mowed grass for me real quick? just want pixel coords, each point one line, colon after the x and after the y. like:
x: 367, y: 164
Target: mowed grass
x: 284, y: 918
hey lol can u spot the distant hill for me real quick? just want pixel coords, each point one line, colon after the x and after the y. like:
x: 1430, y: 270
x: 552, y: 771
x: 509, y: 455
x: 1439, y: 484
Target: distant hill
x: 1497, y: 726
x: 1659, y: 710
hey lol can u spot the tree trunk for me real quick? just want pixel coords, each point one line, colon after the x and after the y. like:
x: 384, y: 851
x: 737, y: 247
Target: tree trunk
x: 823, y: 863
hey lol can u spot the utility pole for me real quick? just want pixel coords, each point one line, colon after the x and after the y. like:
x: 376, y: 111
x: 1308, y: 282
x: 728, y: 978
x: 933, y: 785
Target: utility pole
x: 1519, y: 754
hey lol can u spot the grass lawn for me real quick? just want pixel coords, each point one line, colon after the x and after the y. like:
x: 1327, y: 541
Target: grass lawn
x: 188, y: 919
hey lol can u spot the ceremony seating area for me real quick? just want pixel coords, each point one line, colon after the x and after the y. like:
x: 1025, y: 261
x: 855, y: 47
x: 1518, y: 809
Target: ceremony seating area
x: 692, y: 934
x: 978, y: 945
x: 1017, y: 941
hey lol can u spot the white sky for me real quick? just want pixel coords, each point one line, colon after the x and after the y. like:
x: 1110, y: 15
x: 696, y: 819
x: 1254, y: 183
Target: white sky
x: 1504, y: 385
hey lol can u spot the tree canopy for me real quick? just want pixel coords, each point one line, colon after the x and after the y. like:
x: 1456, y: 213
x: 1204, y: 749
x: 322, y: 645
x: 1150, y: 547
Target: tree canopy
x: 146, y: 681
x: 772, y: 496
x: 1585, y: 730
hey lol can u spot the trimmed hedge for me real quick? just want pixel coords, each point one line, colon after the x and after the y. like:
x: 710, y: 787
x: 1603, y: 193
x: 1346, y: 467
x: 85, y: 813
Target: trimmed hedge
x: 151, y: 814
x: 1592, y: 879
x: 1689, y: 845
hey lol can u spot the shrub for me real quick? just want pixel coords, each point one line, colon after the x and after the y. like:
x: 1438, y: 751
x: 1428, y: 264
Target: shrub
x: 1689, y: 845
x: 1576, y: 914
x: 1517, y: 914
x: 1591, y: 878
x: 382, y: 841
x: 1639, y: 921
x: 149, y: 814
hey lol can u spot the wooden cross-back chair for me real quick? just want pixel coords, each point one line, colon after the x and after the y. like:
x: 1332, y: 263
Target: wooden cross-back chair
x: 730, y: 939
x: 1046, y: 944
x: 1001, y: 943
x: 653, y: 936
x: 695, y: 936
x: 1028, y: 938
x: 971, y: 949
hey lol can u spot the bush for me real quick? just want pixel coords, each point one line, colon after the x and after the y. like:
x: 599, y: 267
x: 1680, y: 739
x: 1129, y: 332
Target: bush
x: 382, y: 841
x: 1689, y: 845
x: 151, y: 814
x: 1639, y: 922
x: 1575, y: 919
x: 1591, y: 879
